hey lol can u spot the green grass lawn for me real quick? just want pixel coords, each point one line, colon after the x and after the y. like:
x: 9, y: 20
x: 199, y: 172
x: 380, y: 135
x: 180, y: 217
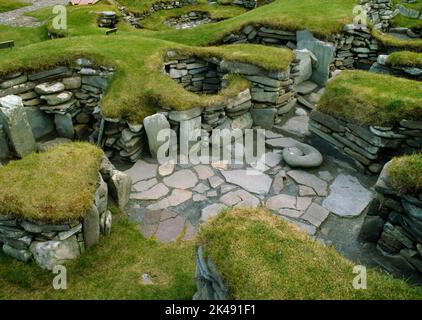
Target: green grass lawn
x: 261, y: 256
x: 110, y: 270
x: 54, y: 186
x: 9, y: 5
x: 417, y: 4
x: 372, y: 99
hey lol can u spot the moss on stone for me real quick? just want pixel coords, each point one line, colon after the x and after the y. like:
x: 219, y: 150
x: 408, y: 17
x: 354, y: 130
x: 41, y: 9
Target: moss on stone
x: 405, y: 59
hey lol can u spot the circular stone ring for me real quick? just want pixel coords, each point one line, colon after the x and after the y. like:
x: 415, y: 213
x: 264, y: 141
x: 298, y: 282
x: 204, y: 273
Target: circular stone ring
x: 302, y: 155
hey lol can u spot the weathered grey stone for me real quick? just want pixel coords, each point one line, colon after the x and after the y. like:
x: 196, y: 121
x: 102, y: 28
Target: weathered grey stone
x: 64, y: 125
x: 242, y: 122
x: 95, y: 81
x: 264, y: 117
x: 72, y: 83
x: 142, y: 170
x: 190, y: 132
x: 304, y: 66
x: 119, y: 187
x: 240, y: 199
x: 310, y: 180
x: 371, y: 229
x: 185, y: 114
x: 50, y: 253
x: 182, y: 179
x: 281, y: 201
x: 203, y: 171
x: 44, y: 146
x: 57, y: 98
x: 21, y: 255
x: 4, y: 144
x: 47, y: 74
x: 315, y: 214
x: 324, y: 53
x: 156, y: 192
x: 211, y: 211
x: 106, y: 220
x: 250, y: 180
x: 215, y: 181
x: 91, y: 228
x: 153, y: 126
x: 15, y: 123
x: 343, y: 194
x: 281, y: 142
x: 327, y: 120
x: 40, y: 122
x: 309, y: 156
x: 49, y: 88
x: 13, y: 82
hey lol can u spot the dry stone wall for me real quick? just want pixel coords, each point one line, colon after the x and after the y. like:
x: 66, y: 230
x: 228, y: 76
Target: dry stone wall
x: 51, y: 244
x: 394, y: 224
x: 367, y: 147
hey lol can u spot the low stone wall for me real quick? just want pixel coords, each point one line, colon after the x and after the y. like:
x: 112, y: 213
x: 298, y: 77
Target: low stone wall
x: 209, y: 283
x: 271, y: 94
x: 367, y: 147
x: 394, y: 223
x: 189, y: 20
x: 52, y: 244
x: 379, y: 12
x: 381, y: 66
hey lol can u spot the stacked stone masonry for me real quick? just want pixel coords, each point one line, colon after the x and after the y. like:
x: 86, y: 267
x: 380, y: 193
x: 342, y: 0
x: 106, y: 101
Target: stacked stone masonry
x: 368, y: 147
x: 394, y: 224
x: 189, y: 20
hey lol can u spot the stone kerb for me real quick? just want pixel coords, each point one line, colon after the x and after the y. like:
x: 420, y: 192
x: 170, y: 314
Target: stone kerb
x: 367, y: 147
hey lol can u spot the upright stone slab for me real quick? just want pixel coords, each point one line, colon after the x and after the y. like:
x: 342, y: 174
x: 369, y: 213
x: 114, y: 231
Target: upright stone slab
x: 91, y: 227
x: 190, y: 132
x: 40, y: 122
x: 305, y: 65
x: 155, y: 125
x: 324, y: 54
x: 15, y: 123
x: 264, y: 118
x: 64, y: 125
x: 4, y: 145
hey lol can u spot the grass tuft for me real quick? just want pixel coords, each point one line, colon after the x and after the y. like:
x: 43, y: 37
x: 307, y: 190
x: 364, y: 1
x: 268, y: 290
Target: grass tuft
x: 405, y: 173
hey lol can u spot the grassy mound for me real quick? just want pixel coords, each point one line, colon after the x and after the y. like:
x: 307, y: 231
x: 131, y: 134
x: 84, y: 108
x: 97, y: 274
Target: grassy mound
x: 373, y: 99
x: 54, y: 186
x: 262, y: 257
x: 405, y: 59
x: 139, y: 87
x: 216, y: 12
x: 390, y: 41
x: 113, y: 269
x: 405, y: 173
x: 8, y: 5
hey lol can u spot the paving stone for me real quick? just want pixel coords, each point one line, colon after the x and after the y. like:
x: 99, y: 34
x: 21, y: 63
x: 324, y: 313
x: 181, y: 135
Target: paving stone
x: 281, y: 142
x: 166, y: 169
x: 142, y: 171
x: 169, y: 230
x: 302, y: 203
x: 315, y: 214
x: 199, y: 197
x: 211, y: 211
x: 325, y: 175
x: 240, y: 199
x: 292, y: 213
x: 201, y: 188
x: 211, y: 193
x: 306, y: 87
x: 297, y: 126
x: 305, y: 191
x: 278, y: 182
x: 308, y: 228
x: 226, y: 188
x: 144, y: 185
x: 219, y: 165
x: 177, y: 196
x: 250, y: 180
x: 271, y: 159
x: 203, y: 171
x: 344, y: 193
x: 215, y: 181
x: 281, y: 201
x: 310, y: 180
x: 272, y: 135
x: 156, y: 192
x: 190, y: 231
x: 182, y: 179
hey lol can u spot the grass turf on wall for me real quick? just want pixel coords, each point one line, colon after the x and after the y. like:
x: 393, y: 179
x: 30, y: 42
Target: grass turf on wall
x: 54, y: 186
x: 139, y: 87
x: 372, y: 99
x: 260, y: 256
x: 405, y: 173
x: 405, y: 59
